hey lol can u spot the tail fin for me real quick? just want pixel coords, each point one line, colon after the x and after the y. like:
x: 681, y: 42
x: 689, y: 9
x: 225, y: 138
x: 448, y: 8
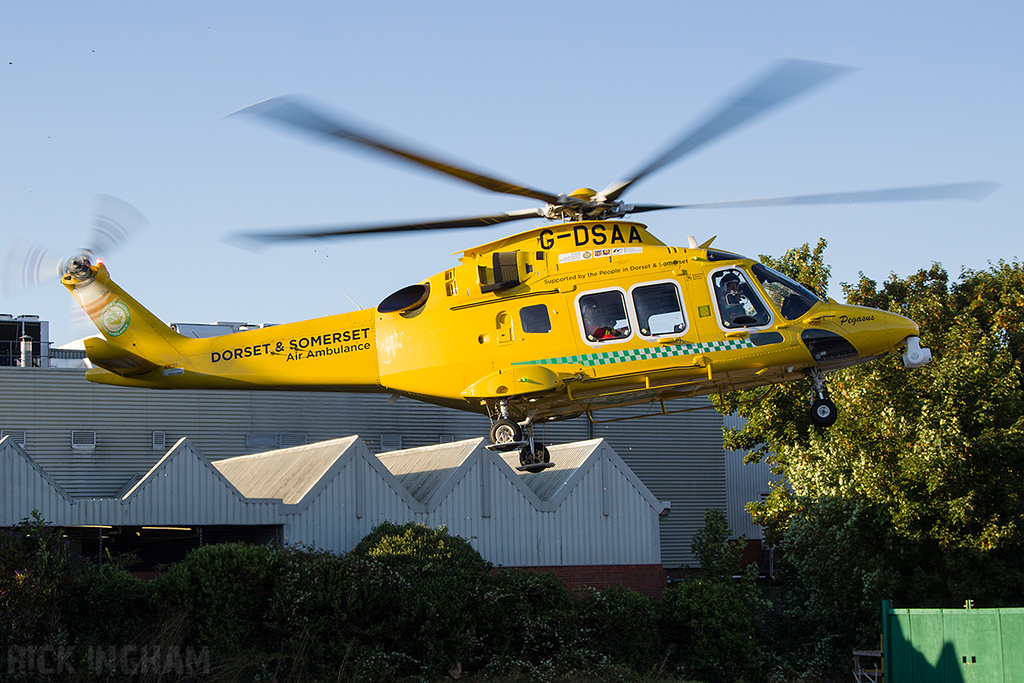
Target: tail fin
x: 135, y: 341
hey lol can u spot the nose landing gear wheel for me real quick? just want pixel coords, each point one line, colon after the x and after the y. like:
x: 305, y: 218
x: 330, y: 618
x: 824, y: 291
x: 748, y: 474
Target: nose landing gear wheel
x: 823, y: 412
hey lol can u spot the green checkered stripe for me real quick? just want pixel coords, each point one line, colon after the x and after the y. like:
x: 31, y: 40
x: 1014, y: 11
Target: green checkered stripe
x: 650, y: 353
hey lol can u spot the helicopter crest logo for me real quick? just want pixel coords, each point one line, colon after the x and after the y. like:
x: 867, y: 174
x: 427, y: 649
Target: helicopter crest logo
x: 115, y: 318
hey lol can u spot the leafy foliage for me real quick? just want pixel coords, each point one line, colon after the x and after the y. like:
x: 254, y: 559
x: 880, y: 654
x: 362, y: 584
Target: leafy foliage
x: 109, y: 605
x: 620, y: 626
x: 711, y: 629
x: 413, y: 604
x: 719, y: 558
x: 711, y: 620
x: 418, y: 592
x: 916, y: 494
x: 223, y: 590
x: 38, y: 569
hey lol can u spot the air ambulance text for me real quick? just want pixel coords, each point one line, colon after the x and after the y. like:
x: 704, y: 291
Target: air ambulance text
x: 317, y: 341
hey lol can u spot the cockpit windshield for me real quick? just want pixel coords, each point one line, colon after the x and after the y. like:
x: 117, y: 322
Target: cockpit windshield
x: 790, y: 297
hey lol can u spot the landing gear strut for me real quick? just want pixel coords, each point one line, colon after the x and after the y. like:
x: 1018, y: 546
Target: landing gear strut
x: 509, y: 435
x: 823, y: 410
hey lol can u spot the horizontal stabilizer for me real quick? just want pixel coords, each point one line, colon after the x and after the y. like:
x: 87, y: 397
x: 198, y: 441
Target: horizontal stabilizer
x: 116, y: 359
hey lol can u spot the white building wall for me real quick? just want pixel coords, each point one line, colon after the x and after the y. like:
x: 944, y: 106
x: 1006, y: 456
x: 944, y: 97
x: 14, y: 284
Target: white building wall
x: 678, y: 457
x: 520, y: 530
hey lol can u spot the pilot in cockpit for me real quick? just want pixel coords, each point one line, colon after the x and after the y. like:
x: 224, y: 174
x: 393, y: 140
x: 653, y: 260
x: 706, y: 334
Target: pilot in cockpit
x: 736, y: 306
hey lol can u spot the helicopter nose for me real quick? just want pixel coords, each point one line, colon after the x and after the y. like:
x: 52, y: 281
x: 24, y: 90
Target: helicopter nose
x: 874, y: 333
x: 903, y: 331
x: 899, y: 328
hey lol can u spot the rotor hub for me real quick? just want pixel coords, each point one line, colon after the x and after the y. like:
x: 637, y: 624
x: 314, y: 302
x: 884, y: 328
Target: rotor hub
x: 79, y: 267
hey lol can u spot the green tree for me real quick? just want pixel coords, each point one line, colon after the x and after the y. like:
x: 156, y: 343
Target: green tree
x: 719, y: 557
x: 711, y: 620
x: 37, y: 568
x: 917, y: 492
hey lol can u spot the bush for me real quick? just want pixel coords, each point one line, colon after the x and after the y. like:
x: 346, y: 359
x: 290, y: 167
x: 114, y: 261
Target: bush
x: 110, y: 607
x: 308, y: 612
x: 711, y: 631
x: 38, y: 569
x: 416, y: 546
x: 222, y: 590
x: 415, y: 600
x: 526, y: 622
x: 622, y: 627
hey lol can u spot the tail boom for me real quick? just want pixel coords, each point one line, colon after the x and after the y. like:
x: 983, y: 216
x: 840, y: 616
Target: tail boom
x: 337, y: 353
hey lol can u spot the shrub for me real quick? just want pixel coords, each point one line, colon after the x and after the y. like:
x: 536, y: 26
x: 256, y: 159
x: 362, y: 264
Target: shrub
x: 527, y: 623
x: 307, y: 610
x: 222, y: 589
x: 110, y: 607
x: 415, y: 599
x: 416, y: 546
x: 38, y: 568
x: 621, y: 626
x: 711, y: 631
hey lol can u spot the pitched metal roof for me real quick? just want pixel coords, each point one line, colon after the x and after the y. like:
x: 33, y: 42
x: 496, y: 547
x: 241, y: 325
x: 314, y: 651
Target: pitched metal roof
x: 288, y: 473
x: 424, y: 471
x: 567, y: 458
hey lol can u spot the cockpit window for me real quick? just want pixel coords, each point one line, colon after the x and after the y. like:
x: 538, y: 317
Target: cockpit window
x: 790, y: 297
x: 659, y: 310
x: 604, y: 316
x: 738, y: 302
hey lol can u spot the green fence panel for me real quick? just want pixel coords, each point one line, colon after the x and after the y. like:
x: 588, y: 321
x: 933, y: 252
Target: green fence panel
x: 953, y: 646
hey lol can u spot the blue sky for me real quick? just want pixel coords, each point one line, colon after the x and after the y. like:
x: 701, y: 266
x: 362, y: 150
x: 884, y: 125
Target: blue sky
x: 128, y: 99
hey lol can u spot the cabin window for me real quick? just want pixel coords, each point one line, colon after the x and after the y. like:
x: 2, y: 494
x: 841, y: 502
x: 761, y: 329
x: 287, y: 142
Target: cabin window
x: 790, y: 297
x: 604, y: 316
x: 659, y: 309
x: 738, y: 302
x: 534, y: 319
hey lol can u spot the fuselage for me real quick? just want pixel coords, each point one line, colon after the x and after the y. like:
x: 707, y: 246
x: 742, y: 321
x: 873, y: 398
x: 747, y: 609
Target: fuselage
x: 553, y: 322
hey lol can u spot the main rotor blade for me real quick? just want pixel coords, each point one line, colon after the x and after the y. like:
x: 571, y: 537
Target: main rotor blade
x: 974, y: 192
x: 291, y: 112
x: 255, y: 241
x: 786, y: 81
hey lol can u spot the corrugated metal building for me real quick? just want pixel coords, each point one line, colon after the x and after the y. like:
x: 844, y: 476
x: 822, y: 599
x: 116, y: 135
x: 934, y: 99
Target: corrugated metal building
x: 745, y: 483
x: 589, y: 510
x: 96, y: 441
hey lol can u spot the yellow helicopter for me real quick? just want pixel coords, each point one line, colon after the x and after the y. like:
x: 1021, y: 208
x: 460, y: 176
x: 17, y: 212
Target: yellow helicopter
x: 558, y: 321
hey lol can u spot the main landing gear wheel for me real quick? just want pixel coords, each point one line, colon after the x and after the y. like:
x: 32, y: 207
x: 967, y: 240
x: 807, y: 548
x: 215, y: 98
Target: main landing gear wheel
x: 536, y: 460
x: 824, y: 412
x: 505, y: 431
x: 539, y: 455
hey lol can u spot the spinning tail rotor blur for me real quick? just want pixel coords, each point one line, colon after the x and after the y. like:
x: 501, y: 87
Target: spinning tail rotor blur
x: 114, y: 222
